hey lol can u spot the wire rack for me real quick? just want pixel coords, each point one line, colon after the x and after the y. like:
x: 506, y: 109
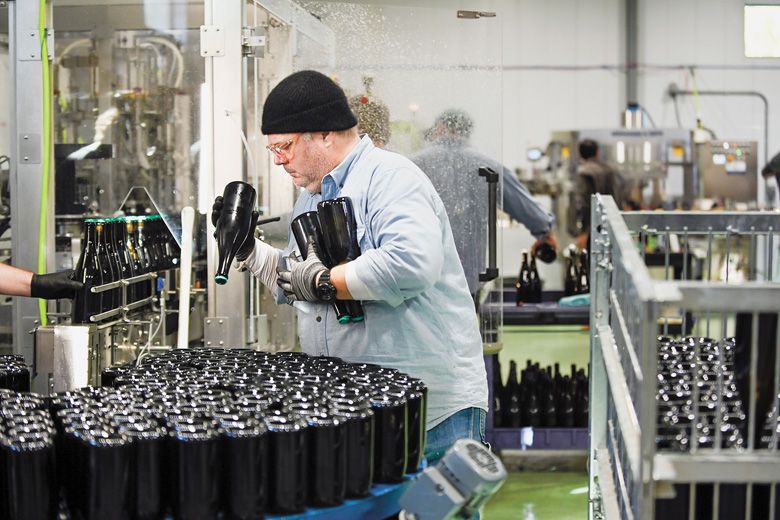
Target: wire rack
x: 678, y: 275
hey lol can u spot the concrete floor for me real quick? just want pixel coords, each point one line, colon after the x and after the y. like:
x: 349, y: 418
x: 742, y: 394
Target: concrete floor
x: 540, y: 496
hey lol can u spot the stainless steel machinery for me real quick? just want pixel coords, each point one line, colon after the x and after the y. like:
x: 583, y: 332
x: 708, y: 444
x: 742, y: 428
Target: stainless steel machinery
x: 727, y: 170
x: 660, y: 168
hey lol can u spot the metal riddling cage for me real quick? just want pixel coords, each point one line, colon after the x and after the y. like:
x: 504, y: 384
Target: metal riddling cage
x: 683, y: 425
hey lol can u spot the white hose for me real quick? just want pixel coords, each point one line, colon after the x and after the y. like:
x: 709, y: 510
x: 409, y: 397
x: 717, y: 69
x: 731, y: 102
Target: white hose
x: 185, y: 272
x: 176, y: 54
x: 72, y: 45
x: 152, y: 333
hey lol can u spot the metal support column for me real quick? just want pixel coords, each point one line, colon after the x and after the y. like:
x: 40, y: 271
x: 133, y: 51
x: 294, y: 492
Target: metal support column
x: 221, y: 48
x: 632, y: 51
x: 26, y: 132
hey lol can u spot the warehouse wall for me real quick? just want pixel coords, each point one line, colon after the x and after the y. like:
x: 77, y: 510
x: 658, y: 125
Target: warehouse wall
x: 673, y: 34
x: 554, y: 52
x: 561, y: 62
x: 709, y: 35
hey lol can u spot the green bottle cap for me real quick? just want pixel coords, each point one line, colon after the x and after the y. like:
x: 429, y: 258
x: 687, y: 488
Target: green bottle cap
x: 344, y: 319
x: 357, y: 318
x: 221, y: 279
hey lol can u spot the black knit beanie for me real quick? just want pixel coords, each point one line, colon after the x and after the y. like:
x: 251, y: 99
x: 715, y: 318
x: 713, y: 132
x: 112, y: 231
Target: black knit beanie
x: 306, y: 101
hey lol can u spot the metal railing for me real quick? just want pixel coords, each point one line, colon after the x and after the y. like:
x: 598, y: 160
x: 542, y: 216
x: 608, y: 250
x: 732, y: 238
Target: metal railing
x: 680, y: 274
x: 125, y: 307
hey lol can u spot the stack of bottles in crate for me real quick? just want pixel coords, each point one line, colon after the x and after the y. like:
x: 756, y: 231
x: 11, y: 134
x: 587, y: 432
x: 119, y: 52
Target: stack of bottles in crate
x: 540, y: 397
x: 117, y: 249
x: 698, y: 402
x: 696, y: 391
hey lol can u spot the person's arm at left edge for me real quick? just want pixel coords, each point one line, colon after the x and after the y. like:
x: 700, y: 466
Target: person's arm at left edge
x: 519, y: 204
x: 14, y: 281
x: 19, y: 282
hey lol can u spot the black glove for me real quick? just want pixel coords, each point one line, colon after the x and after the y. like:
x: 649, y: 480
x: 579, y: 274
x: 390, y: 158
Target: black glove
x: 54, y: 286
x: 249, y: 241
x: 297, y: 282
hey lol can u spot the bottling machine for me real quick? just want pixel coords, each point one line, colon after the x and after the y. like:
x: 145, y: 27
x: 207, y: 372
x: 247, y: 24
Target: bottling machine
x: 668, y: 168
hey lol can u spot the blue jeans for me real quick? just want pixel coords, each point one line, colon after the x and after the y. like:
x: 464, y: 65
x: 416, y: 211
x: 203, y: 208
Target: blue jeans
x: 465, y: 424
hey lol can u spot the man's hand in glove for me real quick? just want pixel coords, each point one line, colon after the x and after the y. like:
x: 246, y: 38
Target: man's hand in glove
x: 54, y: 286
x: 298, y: 283
x: 249, y: 240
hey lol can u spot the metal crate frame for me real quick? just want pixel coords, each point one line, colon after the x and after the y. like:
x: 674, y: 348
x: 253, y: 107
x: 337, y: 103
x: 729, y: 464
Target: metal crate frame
x: 627, y: 473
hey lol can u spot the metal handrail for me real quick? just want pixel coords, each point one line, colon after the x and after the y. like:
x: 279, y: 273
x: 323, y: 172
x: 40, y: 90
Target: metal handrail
x: 703, y: 221
x: 123, y: 282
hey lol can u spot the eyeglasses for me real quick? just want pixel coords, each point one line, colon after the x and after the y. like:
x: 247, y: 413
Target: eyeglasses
x: 281, y: 149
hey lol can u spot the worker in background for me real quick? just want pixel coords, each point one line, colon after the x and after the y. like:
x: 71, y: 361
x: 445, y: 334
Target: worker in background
x: 593, y: 176
x: 53, y: 286
x: 453, y: 167
x: 419, y: 317
x: 772, y: 168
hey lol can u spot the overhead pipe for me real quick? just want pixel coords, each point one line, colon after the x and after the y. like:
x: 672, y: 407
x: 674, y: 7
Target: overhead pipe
x: 632, y: 51
x: 674, y: 92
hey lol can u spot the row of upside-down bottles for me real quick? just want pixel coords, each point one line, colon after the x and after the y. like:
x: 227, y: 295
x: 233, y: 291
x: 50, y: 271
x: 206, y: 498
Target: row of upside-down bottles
x: 118, y: 249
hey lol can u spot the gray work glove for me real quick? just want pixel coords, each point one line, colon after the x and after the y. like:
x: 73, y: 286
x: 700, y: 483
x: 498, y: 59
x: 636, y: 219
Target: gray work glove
x: 249, y: 241
x: 298, y: 281
x: 54, y: 286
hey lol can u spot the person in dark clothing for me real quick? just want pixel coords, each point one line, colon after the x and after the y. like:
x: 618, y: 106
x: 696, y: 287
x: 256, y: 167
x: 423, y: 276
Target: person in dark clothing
x: 452, y: 165
x: 772, y: 168
x: 593, y: 176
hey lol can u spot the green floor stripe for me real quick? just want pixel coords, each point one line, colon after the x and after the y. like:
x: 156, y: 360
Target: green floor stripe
x: 540, y: 496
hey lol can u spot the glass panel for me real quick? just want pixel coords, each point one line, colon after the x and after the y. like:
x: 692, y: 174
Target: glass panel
x: 138, y: 201
x: 427, y: 84
x: 404, y: 68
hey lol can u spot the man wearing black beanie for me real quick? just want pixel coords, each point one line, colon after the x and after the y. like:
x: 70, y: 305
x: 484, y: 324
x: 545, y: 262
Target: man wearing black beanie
x: 419, y: 316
